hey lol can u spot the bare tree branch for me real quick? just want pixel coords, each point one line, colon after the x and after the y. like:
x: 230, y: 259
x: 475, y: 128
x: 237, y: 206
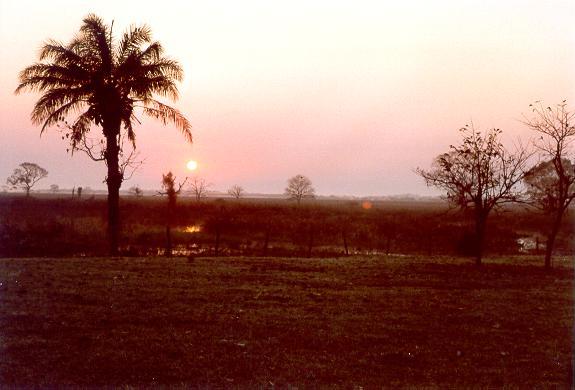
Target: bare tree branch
x: 299, y: 187
x: 551, y: 183
x: 199, y: 187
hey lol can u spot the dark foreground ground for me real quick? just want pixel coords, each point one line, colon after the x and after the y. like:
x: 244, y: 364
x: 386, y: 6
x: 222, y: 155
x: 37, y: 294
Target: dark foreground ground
x: 247, y: 322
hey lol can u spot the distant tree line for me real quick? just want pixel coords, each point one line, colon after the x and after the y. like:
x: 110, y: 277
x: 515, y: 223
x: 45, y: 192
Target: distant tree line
x: 266, y: 228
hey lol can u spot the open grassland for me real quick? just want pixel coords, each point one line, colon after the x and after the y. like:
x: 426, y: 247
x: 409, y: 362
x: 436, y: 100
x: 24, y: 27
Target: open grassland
x: 245, y: 322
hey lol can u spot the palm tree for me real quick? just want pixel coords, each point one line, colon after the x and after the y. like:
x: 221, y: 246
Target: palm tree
x: 97, y: 80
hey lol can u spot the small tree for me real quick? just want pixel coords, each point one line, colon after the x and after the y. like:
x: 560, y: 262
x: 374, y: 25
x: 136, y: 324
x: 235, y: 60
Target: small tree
x: 54, y: 188
x: 479, y: 174
x: 169, y: 189
x: 136, y: 191
x: 199, y: 188
x: 299, y: 187
x: 551, y: 184
x: 26, y: 176
x: 236, y: 191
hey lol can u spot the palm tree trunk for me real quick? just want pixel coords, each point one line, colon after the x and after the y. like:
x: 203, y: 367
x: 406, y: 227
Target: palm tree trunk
x: 113, y: 181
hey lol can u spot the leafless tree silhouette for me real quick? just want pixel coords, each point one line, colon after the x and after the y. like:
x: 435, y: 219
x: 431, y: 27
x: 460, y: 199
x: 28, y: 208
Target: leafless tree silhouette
x: 169, y: 189
x: 299, y: 187
x: 480, y: 174
x: 551, y: 184
x: 236, y: 191
x: 99, y: 81
x: 136, y: 191
x: 26, y: 176
x: 199, y: 188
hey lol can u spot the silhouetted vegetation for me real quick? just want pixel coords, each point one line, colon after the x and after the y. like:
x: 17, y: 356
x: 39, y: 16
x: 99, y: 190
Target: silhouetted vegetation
x: 169, y: 189
x: 136, y: 191
x: 236, y: 191
x: 551, y: 184
x: 299, y: 187
x: 267, y: 228
x: 96, y: 80
x: 480, y: 174
x: 26, y: 176
x: 199, y: 188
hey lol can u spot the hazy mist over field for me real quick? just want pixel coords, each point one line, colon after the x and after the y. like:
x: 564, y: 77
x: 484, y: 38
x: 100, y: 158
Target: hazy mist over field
x: 353, y: 95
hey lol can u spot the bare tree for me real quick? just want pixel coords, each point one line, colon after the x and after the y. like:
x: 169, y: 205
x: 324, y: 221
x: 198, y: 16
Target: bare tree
x: 479, y: 174
x: 26, y: 176
x: 54, y: 188
x: 551, y: 183
x: 236, y: 191
x: 95, y: 148
x: 169, y: 189
x: 199, y: 188
x: 136, y: 191
x: 299, y: 187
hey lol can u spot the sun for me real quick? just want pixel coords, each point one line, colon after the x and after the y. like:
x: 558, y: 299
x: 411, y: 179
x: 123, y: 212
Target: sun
x: 192, y: 165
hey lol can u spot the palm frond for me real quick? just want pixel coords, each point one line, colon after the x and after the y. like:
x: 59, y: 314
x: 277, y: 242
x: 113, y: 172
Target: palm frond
x: 132, y: 65
x: 81, y: 74
x: 94, y: 31
x: 130, y: 132
x: 133, y: 68
x: 61, y: 112
x: 55, y: 104
x: 152, y: 53
x: 144, y: 88
x: 164, y: 67
x: 80, y: 128
x: 72, y: 55
x: 40, y: 77
x: 165, y: 114
x: 131, y: 42
x: 127, y: 116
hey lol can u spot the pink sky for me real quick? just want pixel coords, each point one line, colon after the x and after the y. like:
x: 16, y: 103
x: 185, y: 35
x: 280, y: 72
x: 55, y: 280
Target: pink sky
x: 355, y: 95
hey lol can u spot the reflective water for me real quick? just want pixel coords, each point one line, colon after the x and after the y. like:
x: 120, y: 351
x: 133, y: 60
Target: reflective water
x: 192, y: 229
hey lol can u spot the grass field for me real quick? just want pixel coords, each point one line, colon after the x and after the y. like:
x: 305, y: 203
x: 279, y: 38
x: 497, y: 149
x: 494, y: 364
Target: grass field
x: 246, y: 322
